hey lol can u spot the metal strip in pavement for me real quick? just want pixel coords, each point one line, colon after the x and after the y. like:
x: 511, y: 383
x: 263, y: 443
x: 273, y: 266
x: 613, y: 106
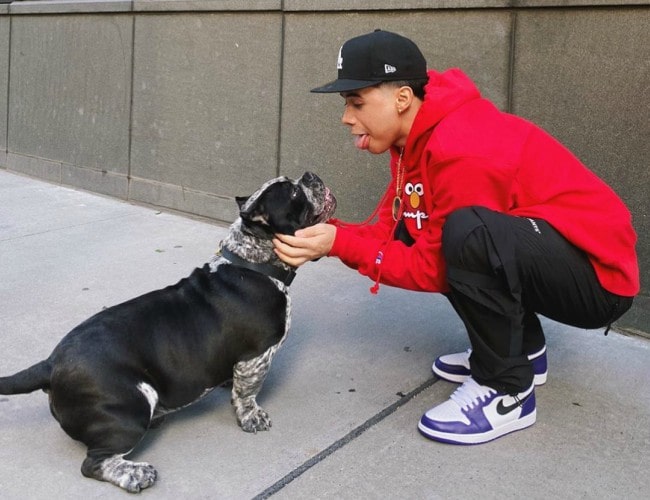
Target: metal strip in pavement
x: 351, y: 436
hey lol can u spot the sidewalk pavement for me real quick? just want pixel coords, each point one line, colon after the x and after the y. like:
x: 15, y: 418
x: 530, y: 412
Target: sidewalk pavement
x: 345, y: 392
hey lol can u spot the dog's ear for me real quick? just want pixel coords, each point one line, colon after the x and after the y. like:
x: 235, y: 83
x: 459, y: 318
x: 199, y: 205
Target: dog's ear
x: 254, y: 219
x: 273, y: 211
x: 254, y: 212
x: 241, y: 200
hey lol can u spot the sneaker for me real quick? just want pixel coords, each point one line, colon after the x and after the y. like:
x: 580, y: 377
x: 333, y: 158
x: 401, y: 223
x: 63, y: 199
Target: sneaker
x: 476, y: 414
x: 455, y: 367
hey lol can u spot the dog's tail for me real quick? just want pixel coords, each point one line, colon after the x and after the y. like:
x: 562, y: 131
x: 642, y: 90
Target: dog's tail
x: 29, y: 380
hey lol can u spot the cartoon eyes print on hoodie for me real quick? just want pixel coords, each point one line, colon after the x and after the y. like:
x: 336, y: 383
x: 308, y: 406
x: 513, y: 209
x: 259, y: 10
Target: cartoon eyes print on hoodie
x: 414, y: 192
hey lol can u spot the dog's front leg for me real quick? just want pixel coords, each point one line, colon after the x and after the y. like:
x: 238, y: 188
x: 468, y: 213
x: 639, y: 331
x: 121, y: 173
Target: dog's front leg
x: 248, y: 377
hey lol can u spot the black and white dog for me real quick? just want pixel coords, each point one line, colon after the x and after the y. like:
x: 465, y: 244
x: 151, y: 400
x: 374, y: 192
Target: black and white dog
x: 129, y: 365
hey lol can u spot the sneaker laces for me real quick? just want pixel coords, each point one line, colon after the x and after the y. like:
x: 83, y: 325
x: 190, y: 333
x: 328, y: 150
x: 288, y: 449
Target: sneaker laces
x: 471, y: 393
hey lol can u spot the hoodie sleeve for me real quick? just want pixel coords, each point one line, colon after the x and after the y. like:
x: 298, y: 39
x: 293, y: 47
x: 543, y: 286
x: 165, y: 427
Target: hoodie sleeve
x: 460, y: 182
x: 418, y: 267
x: 357, y: 244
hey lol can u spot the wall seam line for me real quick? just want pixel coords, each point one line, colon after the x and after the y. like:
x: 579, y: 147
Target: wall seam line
x: 278, y: 157
x: 511, y: 60
x: 130, y: 132
x: 8, y: 100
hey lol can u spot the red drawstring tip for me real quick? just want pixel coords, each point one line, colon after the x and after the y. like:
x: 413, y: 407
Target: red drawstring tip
x: 374, y: 289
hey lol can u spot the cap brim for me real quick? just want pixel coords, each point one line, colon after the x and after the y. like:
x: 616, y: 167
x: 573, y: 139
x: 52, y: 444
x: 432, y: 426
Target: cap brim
x: 342, y: 85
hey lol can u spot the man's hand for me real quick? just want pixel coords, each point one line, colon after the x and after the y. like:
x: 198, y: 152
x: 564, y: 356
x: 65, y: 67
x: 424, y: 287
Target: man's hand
x: 308, y: 244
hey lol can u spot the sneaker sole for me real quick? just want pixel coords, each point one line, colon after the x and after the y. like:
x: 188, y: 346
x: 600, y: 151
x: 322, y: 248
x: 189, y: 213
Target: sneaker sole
x: 449, y: 377
x: 459, y: 378
x: 513, y: 426
x: 538, y: 379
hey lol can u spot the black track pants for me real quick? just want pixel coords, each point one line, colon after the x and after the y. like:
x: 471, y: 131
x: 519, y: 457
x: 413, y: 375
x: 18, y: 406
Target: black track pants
x: 502, y: 270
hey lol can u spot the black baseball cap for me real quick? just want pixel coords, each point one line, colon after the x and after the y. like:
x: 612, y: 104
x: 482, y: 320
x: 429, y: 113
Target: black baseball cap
x: 380, y: 56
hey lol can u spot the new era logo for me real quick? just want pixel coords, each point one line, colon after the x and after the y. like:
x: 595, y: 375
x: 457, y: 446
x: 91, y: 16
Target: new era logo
x: 389, y: 69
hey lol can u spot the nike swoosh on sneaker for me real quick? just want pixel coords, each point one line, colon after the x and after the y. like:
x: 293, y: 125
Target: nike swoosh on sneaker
x: 504, y: 410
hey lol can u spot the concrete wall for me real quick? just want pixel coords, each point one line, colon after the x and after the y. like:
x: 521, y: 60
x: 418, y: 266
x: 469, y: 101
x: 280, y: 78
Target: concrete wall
x: 206, y: 102
x: 184, y: 104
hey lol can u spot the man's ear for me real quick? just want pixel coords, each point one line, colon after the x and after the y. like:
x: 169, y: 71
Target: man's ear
x: 403, y: 98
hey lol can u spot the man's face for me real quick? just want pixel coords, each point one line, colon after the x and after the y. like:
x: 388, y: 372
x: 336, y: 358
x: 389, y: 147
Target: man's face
x: 372, y: 116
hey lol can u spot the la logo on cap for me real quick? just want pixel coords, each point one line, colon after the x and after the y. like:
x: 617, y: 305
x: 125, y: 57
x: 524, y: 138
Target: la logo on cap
x: 339, y: 60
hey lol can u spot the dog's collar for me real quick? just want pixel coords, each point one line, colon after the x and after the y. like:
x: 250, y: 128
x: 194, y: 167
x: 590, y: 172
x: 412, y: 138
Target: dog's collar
x: 286, y: 276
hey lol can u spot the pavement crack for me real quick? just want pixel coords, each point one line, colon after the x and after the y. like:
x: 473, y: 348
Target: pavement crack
x: 349, y: 437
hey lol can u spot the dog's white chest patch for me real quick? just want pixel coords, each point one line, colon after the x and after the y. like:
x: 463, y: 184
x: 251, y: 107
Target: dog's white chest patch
x: 151, y: 395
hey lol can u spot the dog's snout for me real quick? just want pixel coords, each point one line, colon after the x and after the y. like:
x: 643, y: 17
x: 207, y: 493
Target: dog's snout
x: 309, y: 178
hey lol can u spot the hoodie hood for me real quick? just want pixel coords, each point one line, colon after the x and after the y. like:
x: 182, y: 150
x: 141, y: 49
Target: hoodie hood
x: 444, y: 93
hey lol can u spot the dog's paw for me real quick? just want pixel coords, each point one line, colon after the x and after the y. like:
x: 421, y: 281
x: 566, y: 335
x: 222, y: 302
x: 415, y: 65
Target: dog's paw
x: 130, y: 476
x: 138, y: 477
x: 255, y: 420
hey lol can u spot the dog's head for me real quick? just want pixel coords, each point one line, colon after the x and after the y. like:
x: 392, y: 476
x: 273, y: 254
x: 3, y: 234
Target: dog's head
x: 283, y: 206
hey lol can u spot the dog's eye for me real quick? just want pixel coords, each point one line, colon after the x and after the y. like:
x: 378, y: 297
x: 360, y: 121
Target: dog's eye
x: 294, y: 192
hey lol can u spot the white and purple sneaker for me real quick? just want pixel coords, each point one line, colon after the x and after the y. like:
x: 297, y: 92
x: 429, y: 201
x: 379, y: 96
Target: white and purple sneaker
x: 477, y: 413
x: 455, y: 367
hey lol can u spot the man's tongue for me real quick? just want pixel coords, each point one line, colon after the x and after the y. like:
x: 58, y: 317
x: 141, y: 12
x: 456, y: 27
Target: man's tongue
x: 362, y: 141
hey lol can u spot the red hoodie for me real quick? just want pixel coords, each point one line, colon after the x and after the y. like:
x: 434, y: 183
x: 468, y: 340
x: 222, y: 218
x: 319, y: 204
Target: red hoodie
x: 462, y: 151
